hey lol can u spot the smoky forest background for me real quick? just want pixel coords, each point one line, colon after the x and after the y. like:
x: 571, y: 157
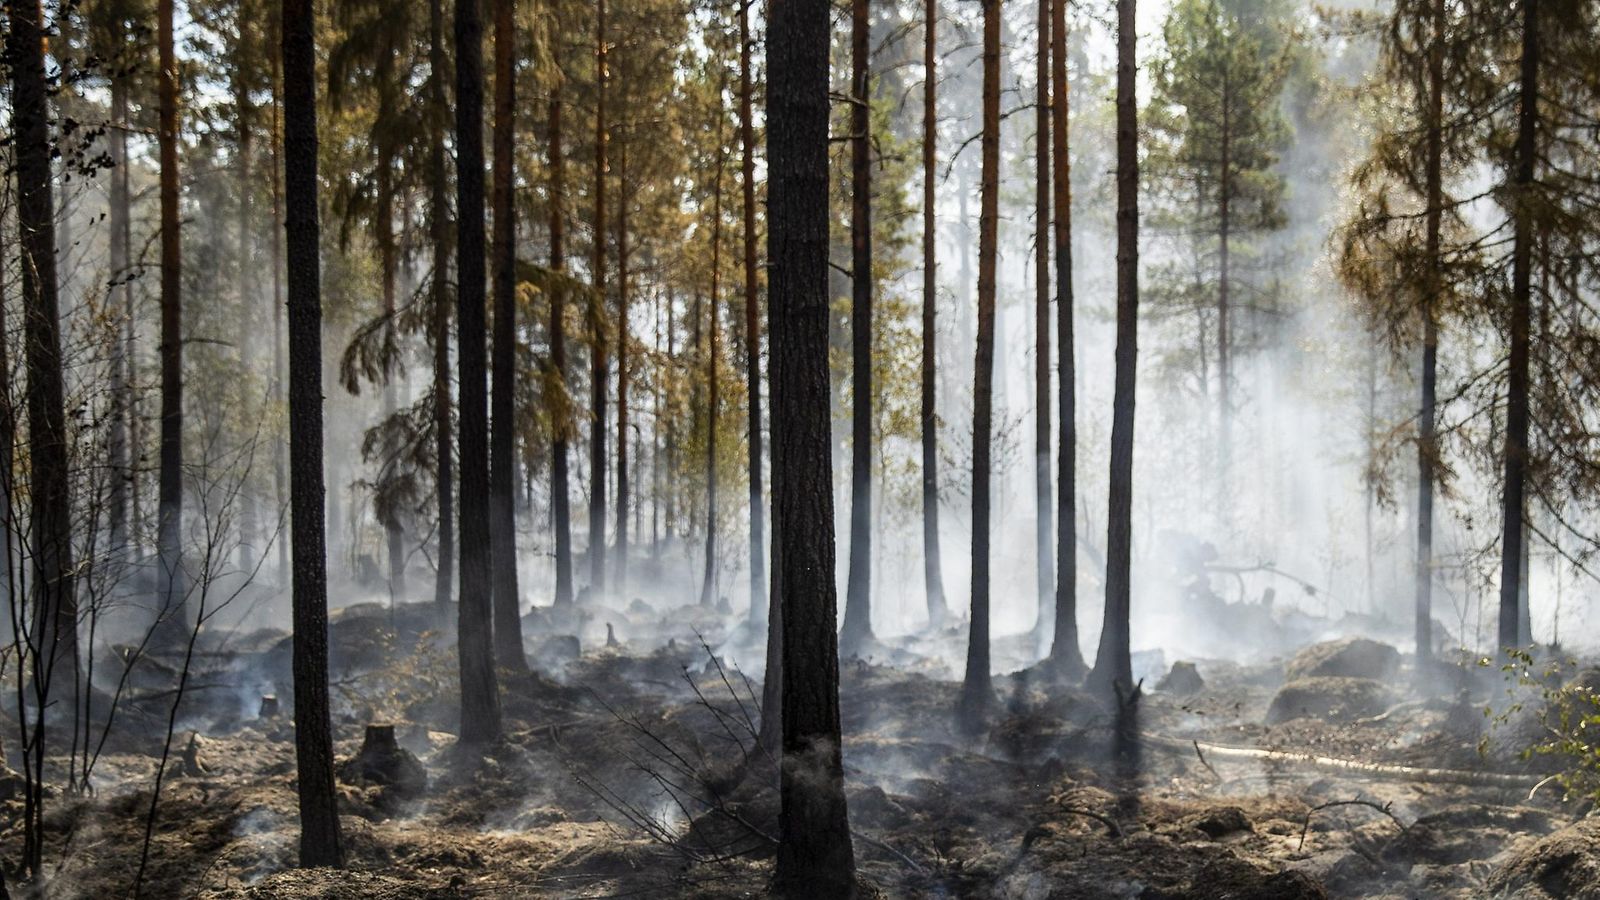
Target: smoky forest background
x: 874, y: 448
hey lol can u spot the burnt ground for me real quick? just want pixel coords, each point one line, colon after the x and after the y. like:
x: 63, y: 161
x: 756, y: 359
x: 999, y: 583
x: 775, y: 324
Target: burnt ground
x: 629, y: 770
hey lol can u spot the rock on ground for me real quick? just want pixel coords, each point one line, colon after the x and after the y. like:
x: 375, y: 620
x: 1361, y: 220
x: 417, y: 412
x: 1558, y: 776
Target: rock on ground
x: 1345, y: 658
x: 1563, y: 865
x: 1333, y: 699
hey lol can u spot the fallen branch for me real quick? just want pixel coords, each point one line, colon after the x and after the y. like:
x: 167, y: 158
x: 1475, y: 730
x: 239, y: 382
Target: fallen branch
x: 1356, y: 767
x: 1110, y: 823
x: 1385, y: 808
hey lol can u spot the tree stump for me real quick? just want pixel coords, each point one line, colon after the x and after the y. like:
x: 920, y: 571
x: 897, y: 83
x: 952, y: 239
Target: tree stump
x: 383, y: 762
x: 268, y: 708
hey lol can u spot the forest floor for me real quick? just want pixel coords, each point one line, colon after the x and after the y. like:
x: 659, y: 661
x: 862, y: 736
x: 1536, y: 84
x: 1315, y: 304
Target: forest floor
x: 630, y: 771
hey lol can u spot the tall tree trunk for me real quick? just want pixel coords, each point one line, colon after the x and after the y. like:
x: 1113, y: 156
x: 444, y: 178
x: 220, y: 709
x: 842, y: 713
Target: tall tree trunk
x: 857, y: 631
x: 752, y: 324
x: 1044, y: 525
x: 394, y: 533
x: 1427, y: 446
x: 708, y: 584
x: 1516, y: 447
x: 975, y: 689
x: 280, y: 462
x: 439, y: 232
x: 122, y: 290
x: 508, y: 650
x: 814, y: 854
x: 55, y: 640
x: 320, y: 843
x: 932, y: 565
x: 1224, y: 332
x: 622, y: 372
x: 249, y: 513
x: 480, y: 698
x: 559, y: 490
x: 597, y: 341
x: 1065, y: 655
x: 169, y: 514
x: 1113, y: 665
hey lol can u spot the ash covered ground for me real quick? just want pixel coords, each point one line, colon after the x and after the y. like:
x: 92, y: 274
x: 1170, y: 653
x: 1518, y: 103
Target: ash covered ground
x: 631, y: 767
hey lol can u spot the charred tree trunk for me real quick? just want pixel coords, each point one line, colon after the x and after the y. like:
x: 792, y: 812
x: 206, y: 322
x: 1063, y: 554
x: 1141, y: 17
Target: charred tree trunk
x: 55, y: 642
x: 622, y: 372
x: 1516, y: 448
x: 1066, y: 657
x: 320, y: 843
x: 559, y: 490
x: 1113, y: 665
x: 708, y: 585
x: 439, y: 296
x: 394, y: 533
x: 814, y: 854
x: 249, y: 514
x: 121, y: 287
x: 1427, y: 441
x: 857, y: 630
x: 932, y: 565
x: 752, y: 324
x: 597, y: 341
x: 169, y: 513
x: 1044, y: 528
x: 507, y: 597
x: 975, y: 689
x: 480, y: 699
x: 280, y: 462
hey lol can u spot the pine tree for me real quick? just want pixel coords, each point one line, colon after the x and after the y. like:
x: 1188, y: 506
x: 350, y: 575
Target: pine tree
x: 320, y: 842
x: 857, y: 629
x: 1113, y: 665
x: 976, y: 689
x: 480, y: 699
x: 814, y: 854
x: 507, y: 598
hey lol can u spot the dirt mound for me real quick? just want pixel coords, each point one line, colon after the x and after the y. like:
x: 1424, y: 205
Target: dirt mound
x: 1346, y: 658
x: 1563, y: 865
x: 1330, y: 698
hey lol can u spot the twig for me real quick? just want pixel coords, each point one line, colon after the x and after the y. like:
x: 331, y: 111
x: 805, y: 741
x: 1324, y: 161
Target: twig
x: 1385, y: 808
x: 915, y: 866
x: 1203, y: 761
x: 1110, y: 823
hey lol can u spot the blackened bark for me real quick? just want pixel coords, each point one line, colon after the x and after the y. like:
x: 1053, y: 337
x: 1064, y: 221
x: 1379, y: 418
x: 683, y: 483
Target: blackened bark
x: 1516, y: 448
x: 975, y: 690
x: 439, y: 233
x: 708, y: 584
x: 480, y: 699
x: 597, y: 343
x: 932, y: 565
x: 857, y: 630
x: 814, y: 853
x: 1066, y: 658
x: 559, y: 489
x: 55, y: 643
x: 280, y: 461
x: 508, y: 650
x: 394, y: 532
x: 622, y: 372
x: 121, y: 287
x: 1113, y: 665
x: 1044, y: 527
x: 169, y: 513
x: 320, y: 843
x: 752, y: 324
x: 1427, y: 441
